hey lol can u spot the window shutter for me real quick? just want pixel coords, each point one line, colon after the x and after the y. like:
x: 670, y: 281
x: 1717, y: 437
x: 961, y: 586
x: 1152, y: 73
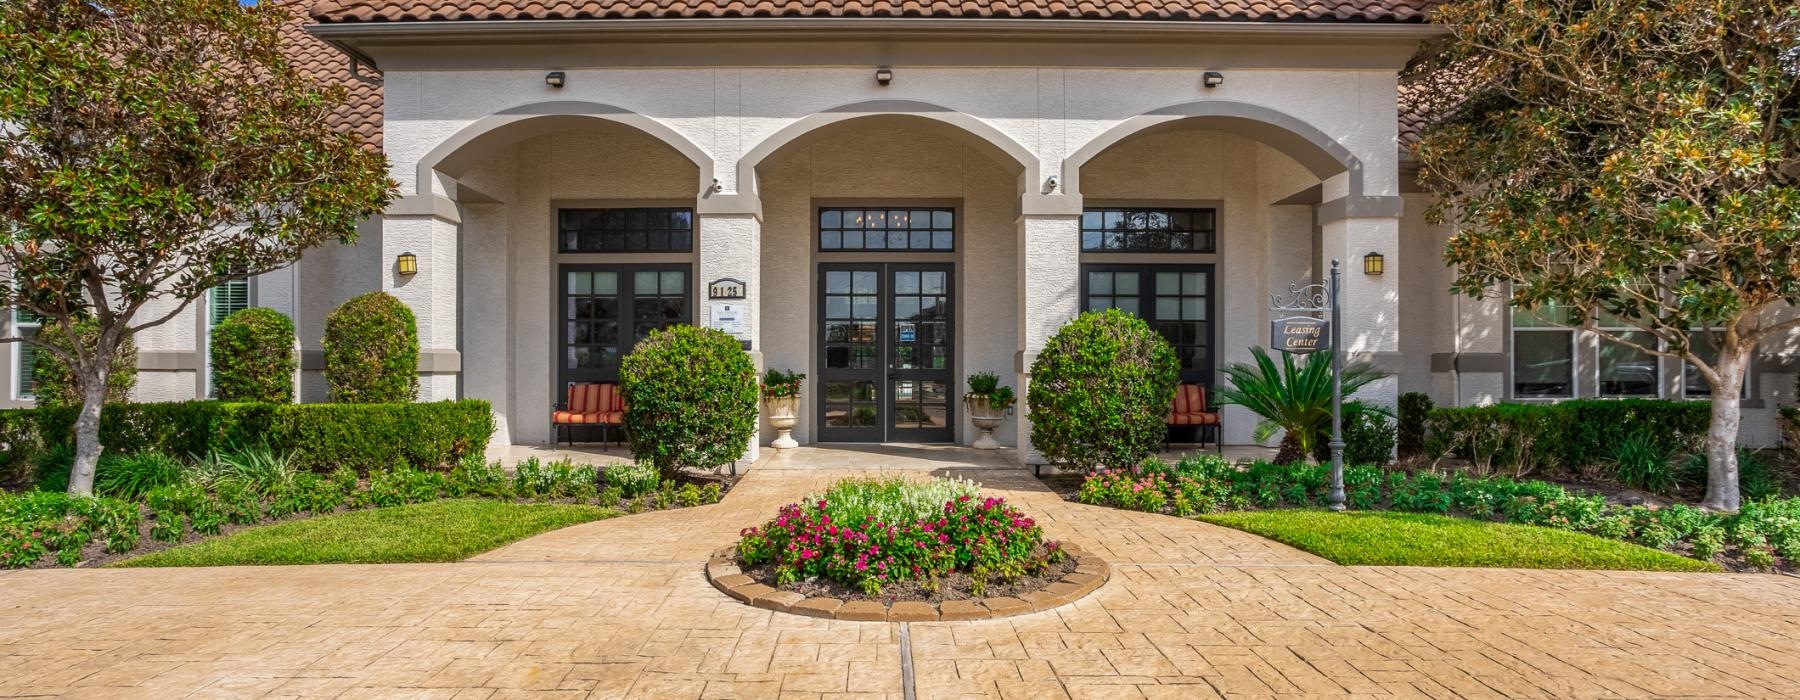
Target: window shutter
x: 229, y: 298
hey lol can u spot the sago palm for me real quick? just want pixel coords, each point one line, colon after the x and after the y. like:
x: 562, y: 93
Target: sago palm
x: 1295, y: 397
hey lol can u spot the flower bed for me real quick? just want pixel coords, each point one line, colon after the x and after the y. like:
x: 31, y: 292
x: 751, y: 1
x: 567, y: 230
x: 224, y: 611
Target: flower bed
x: 1764, y: 535
x: 230, y: 492
x: 894, y: 541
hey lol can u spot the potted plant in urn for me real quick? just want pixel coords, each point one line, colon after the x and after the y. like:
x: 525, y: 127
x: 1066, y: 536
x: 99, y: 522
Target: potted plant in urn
x: 781, y: 402
x: 988, y: 403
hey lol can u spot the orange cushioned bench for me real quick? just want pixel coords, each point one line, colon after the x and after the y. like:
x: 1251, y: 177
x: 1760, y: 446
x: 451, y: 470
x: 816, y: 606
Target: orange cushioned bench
x: 590, y: 405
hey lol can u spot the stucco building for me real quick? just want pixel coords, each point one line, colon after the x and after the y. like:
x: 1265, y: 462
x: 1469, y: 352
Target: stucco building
x: 891, y: 196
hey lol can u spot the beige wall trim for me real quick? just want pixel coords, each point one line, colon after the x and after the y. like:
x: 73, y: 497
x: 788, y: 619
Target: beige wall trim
x: 1360, y: 207
x: 169, y: 361
x: 432, y: 205
x: 1468, y: 362
x: 719, y: 203
x: 1391, y: 363
x: 430, y: 361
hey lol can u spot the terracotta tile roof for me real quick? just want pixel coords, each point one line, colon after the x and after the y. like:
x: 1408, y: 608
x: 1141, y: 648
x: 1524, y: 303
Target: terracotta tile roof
x: 1188, y: 10
x: 327, y: 64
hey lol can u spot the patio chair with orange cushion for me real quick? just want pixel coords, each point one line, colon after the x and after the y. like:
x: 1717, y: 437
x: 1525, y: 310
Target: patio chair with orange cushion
x: 1191, y: 410
x: 596, y: 405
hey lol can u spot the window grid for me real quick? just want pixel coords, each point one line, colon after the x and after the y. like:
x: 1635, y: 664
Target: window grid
x: 1149, y: 230
x: 867, y: 229
x: 626, y: 230
x: 607, y: 309
x: 1174, y: 299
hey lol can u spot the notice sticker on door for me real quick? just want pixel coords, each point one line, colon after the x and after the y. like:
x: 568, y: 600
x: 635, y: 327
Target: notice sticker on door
x: 909, y: 332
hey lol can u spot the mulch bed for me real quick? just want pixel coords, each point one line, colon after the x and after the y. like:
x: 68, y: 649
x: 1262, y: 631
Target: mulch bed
x: 956, y: 586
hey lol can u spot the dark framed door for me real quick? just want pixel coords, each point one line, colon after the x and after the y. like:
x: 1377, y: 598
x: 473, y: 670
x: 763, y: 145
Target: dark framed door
x: 886, y: 348
x: 1177, y: 300
x: 606, y: 309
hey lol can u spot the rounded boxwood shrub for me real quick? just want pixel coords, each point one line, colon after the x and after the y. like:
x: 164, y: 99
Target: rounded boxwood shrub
x: 372, y: 351
x: 1100, y: 392
x: 56, y: 380
x: 253, y: 356
x: 690, y: 398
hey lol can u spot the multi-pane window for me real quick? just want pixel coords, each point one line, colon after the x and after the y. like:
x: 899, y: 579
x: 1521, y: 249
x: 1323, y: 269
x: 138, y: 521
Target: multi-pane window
x: 1626, y: 370
x: 1176, y: 300
x: 607, y: 309
x: 1543, y: 356
x: 887, y: 229
x: 626, y: 230
x: 1694, y: 385
x: 25, y: 325
x: 852, y: 319
x: 1149, y: 230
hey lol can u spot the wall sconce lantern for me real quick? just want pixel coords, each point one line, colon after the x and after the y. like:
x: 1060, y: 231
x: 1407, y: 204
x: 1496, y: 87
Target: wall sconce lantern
x: 884, y: 75
x: 1212, y: 79
x: 407, y: 264
x: 1374, y: 264
x: 556, y: 79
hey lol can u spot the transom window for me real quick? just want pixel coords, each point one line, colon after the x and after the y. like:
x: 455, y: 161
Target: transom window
x: 1149, y: 230
x: 931, y: 229
x: 608, y: 308
x: 635, y: 230
x: 1175, y: 299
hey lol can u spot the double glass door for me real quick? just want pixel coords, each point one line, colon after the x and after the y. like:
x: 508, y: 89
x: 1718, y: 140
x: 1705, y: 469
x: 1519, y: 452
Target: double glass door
x: 885, y: 353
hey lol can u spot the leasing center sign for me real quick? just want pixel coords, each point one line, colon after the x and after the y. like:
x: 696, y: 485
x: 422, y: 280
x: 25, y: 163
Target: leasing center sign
x: 1299, y: 334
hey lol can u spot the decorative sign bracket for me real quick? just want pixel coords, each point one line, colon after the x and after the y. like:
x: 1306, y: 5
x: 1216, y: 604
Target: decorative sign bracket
x: 1304, y: 333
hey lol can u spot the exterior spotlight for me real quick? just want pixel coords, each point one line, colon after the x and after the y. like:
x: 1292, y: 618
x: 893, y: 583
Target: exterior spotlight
x: 884, y: 75
x: 555, y: 79
x: 407, y: 264
x: 1051, y: 183
x: 1212, y: 79
x: 1374, y: 264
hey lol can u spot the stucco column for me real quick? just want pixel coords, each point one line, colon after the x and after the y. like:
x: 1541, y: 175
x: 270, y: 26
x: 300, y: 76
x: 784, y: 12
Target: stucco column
x: 1049, y: 291
x: 731, y: 249
x: 432, y: 293
x: 1370, y: 303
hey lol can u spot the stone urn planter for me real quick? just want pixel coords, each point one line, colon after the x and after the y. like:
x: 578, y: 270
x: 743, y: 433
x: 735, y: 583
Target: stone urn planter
x: 986, y: 417
x: 784, y: 414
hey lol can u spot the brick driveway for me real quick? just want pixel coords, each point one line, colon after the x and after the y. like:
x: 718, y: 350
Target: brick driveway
x: 620, y: 608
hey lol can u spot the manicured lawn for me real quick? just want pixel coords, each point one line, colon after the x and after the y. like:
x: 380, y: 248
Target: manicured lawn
x: 1413, y: 539
x: 450, y: 530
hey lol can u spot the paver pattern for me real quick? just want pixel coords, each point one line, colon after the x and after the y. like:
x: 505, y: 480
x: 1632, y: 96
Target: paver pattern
x: 620, y: 608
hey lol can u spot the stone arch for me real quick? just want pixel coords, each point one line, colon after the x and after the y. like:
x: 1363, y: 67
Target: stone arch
x: 488, y: 135
x: 1315, y: 150
x: 966, y: 123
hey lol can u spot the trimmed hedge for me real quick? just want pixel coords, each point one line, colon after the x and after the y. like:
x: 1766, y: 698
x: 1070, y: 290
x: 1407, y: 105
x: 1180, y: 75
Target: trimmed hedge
x: 316, y: 436
x: 1100, y: 391
x: 691, y: 397
x: 253, y: 356
x: 372, y: 350
x: 56, y: 380
x: 1568, y: 435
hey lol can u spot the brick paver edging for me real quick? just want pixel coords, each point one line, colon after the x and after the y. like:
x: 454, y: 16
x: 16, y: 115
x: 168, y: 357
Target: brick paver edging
x: 1090, y: 573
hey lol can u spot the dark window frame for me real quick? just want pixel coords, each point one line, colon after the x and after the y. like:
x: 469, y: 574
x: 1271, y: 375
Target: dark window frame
x: 625, y: 229
x: 819, y: 228
x: 627, y: 336
x: 1210, y: 236
x: 1208, y: 373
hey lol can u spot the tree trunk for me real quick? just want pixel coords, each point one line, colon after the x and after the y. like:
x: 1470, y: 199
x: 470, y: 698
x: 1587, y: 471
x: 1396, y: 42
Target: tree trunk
x: 87, y: 429
x: 1721, y: 435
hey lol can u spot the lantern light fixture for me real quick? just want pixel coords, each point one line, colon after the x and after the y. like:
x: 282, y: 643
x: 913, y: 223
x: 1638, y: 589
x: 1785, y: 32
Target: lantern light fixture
x: 556, y: 79
x: 407, y: 264
x: 1374, y: 264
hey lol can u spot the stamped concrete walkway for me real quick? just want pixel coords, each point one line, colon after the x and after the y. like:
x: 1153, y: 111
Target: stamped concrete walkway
x: 619, y: 608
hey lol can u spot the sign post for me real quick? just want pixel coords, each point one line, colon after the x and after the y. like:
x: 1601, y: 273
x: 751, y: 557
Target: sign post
x: 1304, y: 334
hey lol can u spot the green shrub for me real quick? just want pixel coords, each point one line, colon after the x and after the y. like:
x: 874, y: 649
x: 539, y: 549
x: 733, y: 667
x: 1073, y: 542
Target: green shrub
x: 130, y: 476
x: 1294, y: 397
x: 1368, y: 434
x: 19, y: 447
x: 1568, y: 435
x: 691, y: 398
x: 253, y: 358
x: 51, y: 467
x: 1639, y: 462
x: 313, y: 436
x: 372, y: 351
x: 632, y: 480
x: 1757, y: 478
x: 260, y: 467
x: 56, y: 380
x: 1100, y: 392
x: 1415, y: 407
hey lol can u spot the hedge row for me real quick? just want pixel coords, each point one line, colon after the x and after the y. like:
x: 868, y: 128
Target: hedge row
x: 316, y: 436
x: 1568, y: 435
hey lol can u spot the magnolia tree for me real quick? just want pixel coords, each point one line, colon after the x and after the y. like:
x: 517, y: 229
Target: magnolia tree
x: 1632, y: 159
x: 151, y: 150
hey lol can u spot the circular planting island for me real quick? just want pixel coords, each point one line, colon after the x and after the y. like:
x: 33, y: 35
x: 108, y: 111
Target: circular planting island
x: 897, y: 550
